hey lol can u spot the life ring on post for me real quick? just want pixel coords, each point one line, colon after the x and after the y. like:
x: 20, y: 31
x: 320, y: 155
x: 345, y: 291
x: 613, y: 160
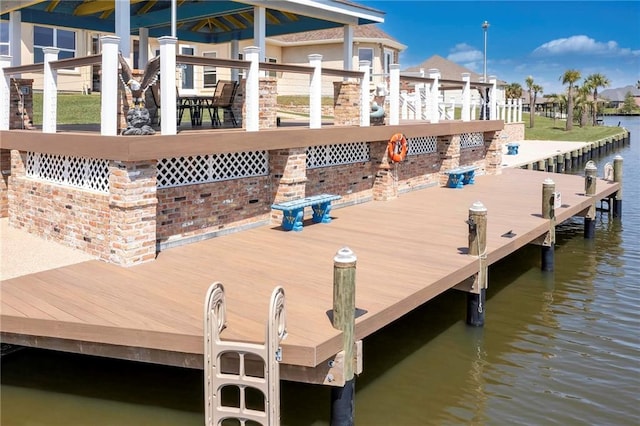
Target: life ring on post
x: 397, y: 148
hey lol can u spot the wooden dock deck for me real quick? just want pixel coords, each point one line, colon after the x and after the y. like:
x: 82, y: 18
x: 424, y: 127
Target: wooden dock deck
x: 409, y: 250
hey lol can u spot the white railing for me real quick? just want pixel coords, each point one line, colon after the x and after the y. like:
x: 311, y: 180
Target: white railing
x: 333, y: 155
x: 77, y: 172
x: 423, y: 103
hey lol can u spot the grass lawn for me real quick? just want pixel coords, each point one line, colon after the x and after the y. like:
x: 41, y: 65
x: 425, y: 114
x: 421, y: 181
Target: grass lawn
x: 553, y: 130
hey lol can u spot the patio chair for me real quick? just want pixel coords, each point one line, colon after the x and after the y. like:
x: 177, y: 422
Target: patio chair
x: 223, y: 96
x: 181, y: 105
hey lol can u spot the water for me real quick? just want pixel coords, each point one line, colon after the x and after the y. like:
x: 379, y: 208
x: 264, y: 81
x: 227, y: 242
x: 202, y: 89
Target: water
x: 556, y: 349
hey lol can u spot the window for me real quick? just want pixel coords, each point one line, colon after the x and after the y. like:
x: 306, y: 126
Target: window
x: 53, y: 37
x: 366, y: 54
x: 210, y: 73
x: 388, y: 60
x: 136, y: 54
x: 4, y: 38
x: 187, y: 70
x: 242, y: 72
x: 272, y: 73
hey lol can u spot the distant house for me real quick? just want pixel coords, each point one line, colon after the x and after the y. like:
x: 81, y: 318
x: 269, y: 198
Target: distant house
x: 370, y: 44
x: 616, y: 96
x: 451, y: 71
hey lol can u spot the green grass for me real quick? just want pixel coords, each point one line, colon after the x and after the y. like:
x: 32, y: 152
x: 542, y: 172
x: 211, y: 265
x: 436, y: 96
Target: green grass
x: 554, y: 130
x: 72, y: 109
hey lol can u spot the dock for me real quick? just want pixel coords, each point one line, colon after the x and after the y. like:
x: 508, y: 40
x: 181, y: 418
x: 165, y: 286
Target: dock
x: 409, y: 250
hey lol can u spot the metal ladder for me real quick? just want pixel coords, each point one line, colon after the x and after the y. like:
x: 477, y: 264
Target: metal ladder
x: 220, y: 376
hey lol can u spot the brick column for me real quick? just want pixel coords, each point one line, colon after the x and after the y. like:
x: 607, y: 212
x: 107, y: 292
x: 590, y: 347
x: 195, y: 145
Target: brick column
x: 289, y: 173
x: 449, y: 152
x: 5, y: 170
x: 268, y: 102
x: 385, y: 186
x: 21, y: 104
x: 346, y: 103
x: 132, y: 212
x: 18, y: 170
x: 493, y: 152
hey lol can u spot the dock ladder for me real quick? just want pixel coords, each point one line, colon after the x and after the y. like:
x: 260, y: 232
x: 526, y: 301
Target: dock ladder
x: 232, y: 369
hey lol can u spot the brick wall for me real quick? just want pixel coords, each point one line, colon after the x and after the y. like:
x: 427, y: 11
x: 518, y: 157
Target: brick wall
x: 195, y: 210
x: 70, y: 216
x: 346, y: 108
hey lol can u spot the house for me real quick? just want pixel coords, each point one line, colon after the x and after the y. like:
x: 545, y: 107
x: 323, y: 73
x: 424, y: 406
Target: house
x: 616, y: 96
x: 370, y: 44
x: 220, y: 29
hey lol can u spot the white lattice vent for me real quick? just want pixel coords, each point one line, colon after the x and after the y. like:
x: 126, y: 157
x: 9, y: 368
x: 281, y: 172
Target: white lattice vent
x: 78, y: 172
x: 470, y: 140
x: 333, y: 155
x: 211, y: 168
x: 422, y: 145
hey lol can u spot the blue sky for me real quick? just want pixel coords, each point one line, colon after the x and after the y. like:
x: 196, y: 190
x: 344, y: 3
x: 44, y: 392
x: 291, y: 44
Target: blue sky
x: 538, y: 38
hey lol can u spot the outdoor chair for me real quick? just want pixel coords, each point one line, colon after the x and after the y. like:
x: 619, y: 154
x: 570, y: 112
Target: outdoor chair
x: 223, y: 96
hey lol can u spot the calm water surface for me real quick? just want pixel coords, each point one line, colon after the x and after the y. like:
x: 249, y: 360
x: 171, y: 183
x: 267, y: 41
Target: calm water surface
x: 558, y: 348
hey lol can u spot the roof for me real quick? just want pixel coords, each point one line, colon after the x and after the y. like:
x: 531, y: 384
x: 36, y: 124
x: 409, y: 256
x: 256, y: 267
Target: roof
x: 618, y: 95
x: 361, y: 33
x: 202, y: 21
x: 448, y: 70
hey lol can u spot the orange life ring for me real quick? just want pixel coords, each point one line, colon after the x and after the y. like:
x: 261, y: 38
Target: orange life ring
x: 397, y: 148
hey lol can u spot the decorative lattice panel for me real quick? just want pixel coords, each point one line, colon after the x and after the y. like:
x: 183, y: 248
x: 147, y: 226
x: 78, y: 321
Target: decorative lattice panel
x: 211, y: 168
x: 470, y: 140
x: 79, y: 172
x: 332, y: 155
x: 422, y: 145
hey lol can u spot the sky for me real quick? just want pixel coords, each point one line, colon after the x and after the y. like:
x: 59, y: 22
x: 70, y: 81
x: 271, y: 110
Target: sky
x: 541, y: 39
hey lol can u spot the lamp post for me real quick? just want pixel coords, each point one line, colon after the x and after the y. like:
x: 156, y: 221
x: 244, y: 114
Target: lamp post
x: 485, y: 107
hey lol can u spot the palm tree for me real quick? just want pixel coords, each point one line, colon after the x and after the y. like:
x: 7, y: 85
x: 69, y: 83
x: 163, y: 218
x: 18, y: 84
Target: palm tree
x: 513, y: 91
x: 532, y: 106
x: 594, y: 81
x: 536, y: 89
x: 583, y: 103
x: 570, y: 77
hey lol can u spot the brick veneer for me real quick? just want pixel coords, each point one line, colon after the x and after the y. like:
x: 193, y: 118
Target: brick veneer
x: 5, y: 172
x: 21, y: 103
x: 127, y: 225
x: 346, y: 108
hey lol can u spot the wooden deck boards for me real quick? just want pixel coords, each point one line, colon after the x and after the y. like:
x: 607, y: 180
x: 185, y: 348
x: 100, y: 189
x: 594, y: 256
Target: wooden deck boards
x: 409, y: 250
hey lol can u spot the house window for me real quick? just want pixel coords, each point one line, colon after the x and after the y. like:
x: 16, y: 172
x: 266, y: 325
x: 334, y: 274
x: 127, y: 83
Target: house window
x: 53, y: 37
x: 4, y: 38
x: 366, y: 54
x: 242, y: 72
x: 388, y: 60
x: 210, y: 73
x: 272, y: 73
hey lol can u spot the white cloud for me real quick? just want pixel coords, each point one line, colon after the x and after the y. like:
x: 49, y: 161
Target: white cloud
x: 582, y: 44
x: 463, y: 53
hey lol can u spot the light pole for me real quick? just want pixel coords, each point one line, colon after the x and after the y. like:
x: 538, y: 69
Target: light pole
x: 485, y: 27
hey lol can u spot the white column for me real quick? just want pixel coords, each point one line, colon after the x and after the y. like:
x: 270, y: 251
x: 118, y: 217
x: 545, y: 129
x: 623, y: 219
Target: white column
x: 5, y: 103
x: 50, y: 91
x: 143, y: 56
x: 315, y: 92
x: 510, y: 111
x: 109, y: 86
x: 347, y: 53
x: 123, y: 27
x: 394, y: 94
x: 15, y: 38
x: 168, y: 100
x: 365, y: 107
x: 493, y: 113
x: 435, y: 86
x: 519, y: 110
x: 174, y: 19
x: 466, y: 97
x: 252, y: 89
x: 260, y: 31
x: 417, y: 105
x: 502, y: 110
x: 235, y: 50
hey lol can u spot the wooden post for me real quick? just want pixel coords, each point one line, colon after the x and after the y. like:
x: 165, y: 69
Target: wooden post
x: 617, y: 177
x: 548, y: 212
x: 560, y: 163
x: 590, y: 177
x: 567, y: 161
x: 477, y: 247
x: 574, y: 158
x: 542, y: 165
x: 344, y: 309
x: 551, y: 164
